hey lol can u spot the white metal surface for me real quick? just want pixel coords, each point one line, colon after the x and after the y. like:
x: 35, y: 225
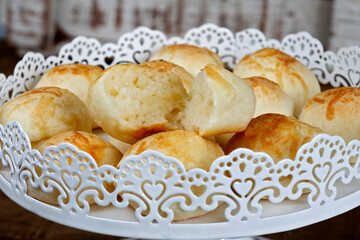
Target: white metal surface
x: 243, y: 191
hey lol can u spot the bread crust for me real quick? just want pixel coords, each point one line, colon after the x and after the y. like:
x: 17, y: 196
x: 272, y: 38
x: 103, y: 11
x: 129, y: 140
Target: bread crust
x: 188, y: 147
x: 74, y: 77
x: 219, y: 102
x: 336, y: 111
x: 293, y: 77
x: 278, y: 135
x: 191, y: 58
x: 131, y: 101
x: 102, y: 151
x: 269, y: 97
x: 184, y: 75
x: 45, y: 112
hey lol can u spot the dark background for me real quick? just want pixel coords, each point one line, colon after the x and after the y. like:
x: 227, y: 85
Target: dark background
x: 18, y: 223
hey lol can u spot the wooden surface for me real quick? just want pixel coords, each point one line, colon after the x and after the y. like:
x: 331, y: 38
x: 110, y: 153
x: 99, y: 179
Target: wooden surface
x: 345, y: 24
x: 18, y: 223
x: 36, y: 24
x: 276, y: 18
x: 31, y: 23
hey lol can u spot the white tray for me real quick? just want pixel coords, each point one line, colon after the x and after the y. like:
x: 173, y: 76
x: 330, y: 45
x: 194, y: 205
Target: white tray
x: 321, y: 167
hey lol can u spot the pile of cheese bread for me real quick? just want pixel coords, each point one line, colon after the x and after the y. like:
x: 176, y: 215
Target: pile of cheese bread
x: 185, y: 104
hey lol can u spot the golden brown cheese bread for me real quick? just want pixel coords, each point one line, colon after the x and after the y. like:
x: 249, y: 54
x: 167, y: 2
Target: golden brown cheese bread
x: 219, y: 102
x: 188, y: 147
x: 293, y: 77
x: 269, y: 99
x: 102, y: 151
x: 186, y: 77
x: 278, y: 135
x: 45, y: 112
x: 336, y: 111
x: 191, y: 58
x: 74, y: 77
x: 131, y: 102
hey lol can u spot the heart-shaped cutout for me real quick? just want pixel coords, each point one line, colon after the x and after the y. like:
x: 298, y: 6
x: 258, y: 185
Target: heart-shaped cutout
x: 109, y: 186
x: 141, y: 56
x: 242, y: 188
x: 154, y: 190
x: 354, y: 77
x: 321, y: 172
x: 329, y: 67
x: 72, y: 181
x: 109, y: 60
x: 198, y: 190
x: 285, y: 180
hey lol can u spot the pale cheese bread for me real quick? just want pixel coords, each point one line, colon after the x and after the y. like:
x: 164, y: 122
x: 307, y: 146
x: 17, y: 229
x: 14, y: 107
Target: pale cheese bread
x: 293, y: 77
x: 191, y: 58
x: 74, y: 77
x: 45, y: 112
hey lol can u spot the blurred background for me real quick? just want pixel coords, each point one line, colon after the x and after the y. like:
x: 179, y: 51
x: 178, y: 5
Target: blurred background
x: 43, y: 25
